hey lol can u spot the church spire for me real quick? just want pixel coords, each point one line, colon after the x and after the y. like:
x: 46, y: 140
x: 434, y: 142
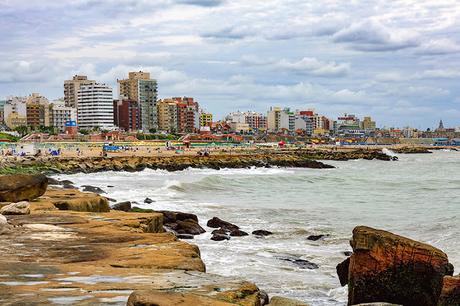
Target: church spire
x: 441, y: 125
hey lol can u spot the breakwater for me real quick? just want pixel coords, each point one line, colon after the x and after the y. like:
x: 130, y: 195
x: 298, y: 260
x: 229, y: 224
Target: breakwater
x: 274, y: 158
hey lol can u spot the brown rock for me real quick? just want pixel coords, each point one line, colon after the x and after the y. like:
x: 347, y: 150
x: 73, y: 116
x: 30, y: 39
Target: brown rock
x: 282, y: 301
x: 17, y: 188
x: 20, y: 208
x: 161, y: 298
x: 450, y: 295
x: 75, y: 200
x: 123, y: 206
x: 216, y: 223
x: 389, y: 268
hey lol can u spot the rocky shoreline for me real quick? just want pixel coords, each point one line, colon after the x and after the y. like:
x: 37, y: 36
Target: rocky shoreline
x: 72, y: 247
x: 275, y: 158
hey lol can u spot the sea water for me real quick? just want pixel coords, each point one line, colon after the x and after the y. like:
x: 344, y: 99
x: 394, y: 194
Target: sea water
x: 417, y: 196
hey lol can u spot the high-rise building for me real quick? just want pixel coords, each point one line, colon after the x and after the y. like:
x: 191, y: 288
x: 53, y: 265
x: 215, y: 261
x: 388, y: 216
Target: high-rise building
x: 167, y: 115
x: 188, y: 115
x: 71, y: 88
x: 95, y: 106
x: 141, y: 88
x: 205, y: 119
x: 37, y: 111
x: 367, y: 124
x: 279, y: 120
x: 126, y: 115
x: 61, y: 115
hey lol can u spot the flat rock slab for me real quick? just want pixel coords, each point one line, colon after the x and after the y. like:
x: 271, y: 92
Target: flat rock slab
x: 88, y: 258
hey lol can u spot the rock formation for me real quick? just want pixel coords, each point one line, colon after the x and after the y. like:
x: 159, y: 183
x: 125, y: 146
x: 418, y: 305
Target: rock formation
x: 385, y: 267
x: 17, y: 188
x: 20, y: 208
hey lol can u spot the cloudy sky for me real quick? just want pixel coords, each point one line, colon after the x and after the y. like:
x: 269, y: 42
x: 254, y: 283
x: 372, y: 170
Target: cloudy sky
x: 398, y: 61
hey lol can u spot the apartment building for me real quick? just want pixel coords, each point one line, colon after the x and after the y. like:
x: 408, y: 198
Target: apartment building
x: 95, y: 106
x: 141, y: 88
x: 71, y: 88
x: 126, y: 115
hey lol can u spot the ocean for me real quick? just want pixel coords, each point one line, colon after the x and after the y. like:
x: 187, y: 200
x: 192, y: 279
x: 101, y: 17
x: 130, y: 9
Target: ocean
x: 417, y: 196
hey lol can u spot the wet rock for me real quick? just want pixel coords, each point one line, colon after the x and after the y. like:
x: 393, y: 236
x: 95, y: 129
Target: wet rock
x: 53, y: 181
x: 174, y: 216
x: 123, y: 206
x: 301, y: 263
x: 188, y: 226
x: 88, y: 188
x: 348, y: 253
x: 220, y: 237
x: 20, y: 208
x: 264, y: 298
x: 262, y: 233
x: 389, y: 268
x: 238, y: 233
x: 110, y: 199
x: 342, y: 271
x: 185, y: 236
x: 316, y: 237
x: 148, y: 201
x: 216, y: 223
x: 17, y: 188
x: 450, y: 294
x: 450, y: 269
x: 282, y: 301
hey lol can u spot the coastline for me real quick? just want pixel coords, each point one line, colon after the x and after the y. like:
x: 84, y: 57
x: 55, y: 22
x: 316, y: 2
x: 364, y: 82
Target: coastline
x: 302, y: 158
x: 132, y: 227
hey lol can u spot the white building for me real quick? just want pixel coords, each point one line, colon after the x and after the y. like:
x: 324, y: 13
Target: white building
x: 95, y: 106
x: 61, y: 114
x: 279, y: 119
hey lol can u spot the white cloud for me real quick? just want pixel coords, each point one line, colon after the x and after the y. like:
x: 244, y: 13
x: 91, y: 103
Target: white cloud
x: 372, y: 35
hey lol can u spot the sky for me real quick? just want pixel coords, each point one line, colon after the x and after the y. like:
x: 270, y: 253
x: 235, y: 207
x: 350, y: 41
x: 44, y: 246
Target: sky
x: 397, y: 61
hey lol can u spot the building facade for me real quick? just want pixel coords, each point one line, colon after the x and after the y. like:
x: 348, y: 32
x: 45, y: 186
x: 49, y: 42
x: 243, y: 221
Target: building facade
x: 95, y: 106
x: 62, y: 116
x: 188, y: 115
x: 126, y: 115
x: 71, y: 88
x: 167, y: 115
x: 37, y: 111
x: 141, y: 88
x: 15, y: 112
x: 280, y: 120
x: 205, y: 119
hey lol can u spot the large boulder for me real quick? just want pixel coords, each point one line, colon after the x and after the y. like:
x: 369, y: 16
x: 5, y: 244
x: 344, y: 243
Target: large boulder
x: 181, y: 223
x: 20, y: 208
x: 389, y: 268
x: 123, y: 206
x: 188, y: 226
x: 262, y: 233
x: 450, y: 295
x: 216, y: 223
x: 16, y: 188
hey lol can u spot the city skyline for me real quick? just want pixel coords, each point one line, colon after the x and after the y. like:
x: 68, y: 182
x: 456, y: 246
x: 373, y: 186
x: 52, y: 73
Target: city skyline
x: 393, y: 61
